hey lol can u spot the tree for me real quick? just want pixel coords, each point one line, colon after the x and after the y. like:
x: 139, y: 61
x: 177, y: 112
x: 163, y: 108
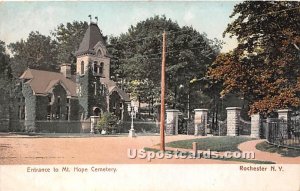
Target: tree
x: 5, y: 69
x: 37, y: 52
x: 137, y: 56
x: 7, y: 82
x: 8, y: 87
x: 69, y: 37
x: 264, y: 68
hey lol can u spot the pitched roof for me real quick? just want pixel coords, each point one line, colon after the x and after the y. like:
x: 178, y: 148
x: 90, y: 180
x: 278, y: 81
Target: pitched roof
x: 42, y: 82
x: 91, y: 37
x: 112, y: 87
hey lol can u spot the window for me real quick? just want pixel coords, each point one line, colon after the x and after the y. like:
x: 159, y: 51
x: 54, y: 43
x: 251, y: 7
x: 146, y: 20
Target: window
x: 49, y: 115
x: 101, y: 68
x: 95, y: 66
x: 67, y: 113
x: 58, y: 109
x: 19, y: 113
x: 82, y: 68
x: 102, y: 89
x: 95, y: 88
x: 23, y: 112
x: 99, y: 53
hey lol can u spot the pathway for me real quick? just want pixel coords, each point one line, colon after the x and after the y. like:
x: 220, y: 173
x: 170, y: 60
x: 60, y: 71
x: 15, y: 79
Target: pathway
x: 267, y: 156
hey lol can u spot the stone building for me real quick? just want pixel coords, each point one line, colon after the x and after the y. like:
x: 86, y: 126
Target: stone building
x: 64, y: 96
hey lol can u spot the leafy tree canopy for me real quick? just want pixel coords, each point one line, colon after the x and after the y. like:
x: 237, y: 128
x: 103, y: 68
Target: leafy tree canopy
x: 137, y: 56
x: 36, y: 52
x: 69, y: 37
x: 5, y: 69
x: 264, y: 68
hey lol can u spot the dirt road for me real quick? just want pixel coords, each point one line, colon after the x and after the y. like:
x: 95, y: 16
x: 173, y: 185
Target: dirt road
x: 87, y: 150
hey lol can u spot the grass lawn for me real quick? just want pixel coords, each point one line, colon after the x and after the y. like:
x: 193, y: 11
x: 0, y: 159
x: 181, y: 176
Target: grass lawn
x: 264, y: 146
x: 219, y: 144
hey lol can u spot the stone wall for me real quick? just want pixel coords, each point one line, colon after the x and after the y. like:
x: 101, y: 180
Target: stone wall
x: 4, y: 112
x: 30, y: 109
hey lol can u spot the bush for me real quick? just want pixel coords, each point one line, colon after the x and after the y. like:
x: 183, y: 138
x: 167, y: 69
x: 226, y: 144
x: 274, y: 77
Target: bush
x: 107, y: 122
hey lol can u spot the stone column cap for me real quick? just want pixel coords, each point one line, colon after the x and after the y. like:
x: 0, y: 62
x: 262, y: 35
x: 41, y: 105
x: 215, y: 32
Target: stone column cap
x: 172, y: 110
x: 283, y: 110
x: 233, y: 108
x: 200, y: 109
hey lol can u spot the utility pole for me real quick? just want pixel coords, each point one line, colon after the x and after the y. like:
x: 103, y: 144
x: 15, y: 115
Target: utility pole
x: 162, y: 98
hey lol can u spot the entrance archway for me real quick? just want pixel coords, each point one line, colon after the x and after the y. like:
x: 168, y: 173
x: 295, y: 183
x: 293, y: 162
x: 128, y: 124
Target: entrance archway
x: 96, y: 111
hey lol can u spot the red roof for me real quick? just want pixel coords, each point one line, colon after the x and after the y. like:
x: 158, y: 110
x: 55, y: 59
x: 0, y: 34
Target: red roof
x: 91, y: 37
x: 42, y: 82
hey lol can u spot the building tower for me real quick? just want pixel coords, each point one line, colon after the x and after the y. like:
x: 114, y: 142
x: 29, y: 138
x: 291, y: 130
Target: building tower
x: 92, y: 64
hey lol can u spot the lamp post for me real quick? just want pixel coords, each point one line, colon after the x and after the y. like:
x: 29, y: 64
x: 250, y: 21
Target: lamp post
x: 131, y: 131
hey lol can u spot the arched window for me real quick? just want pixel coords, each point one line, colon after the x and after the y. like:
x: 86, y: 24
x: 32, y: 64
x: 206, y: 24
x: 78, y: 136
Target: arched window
x: 101, y: 68
x: 99, y: 53
x: 82, y: 68
x: 96, y: 111
x: 95, y: 66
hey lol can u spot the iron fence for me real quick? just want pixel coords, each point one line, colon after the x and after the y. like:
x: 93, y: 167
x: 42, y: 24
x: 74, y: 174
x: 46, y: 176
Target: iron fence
x: 139, y: 126
x: 222, y: 128
x: 76, y: 126
x: 283, y: 133
x: 45, y: 126
x: 244, y: 127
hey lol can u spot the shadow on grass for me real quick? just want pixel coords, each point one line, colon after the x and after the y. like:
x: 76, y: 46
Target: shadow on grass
x: 287, y: 152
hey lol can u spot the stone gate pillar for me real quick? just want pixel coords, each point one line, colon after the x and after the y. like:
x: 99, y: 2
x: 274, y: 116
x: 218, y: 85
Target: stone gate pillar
x: 94, y: 121
x: 255, y: 125
x: 233, y: 120
x: 172, y: 122
x: 284, y: 115
x: 201, y: 121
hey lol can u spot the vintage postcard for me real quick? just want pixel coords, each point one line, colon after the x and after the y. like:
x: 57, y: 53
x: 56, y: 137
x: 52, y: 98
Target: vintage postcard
x: 150, y: 95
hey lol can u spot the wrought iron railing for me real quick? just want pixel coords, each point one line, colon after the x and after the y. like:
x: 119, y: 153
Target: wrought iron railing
x: 244, y: 127
x: 283, y: 133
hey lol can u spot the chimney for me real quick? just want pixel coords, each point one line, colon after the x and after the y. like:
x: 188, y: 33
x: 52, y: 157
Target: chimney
x: 65, y: 69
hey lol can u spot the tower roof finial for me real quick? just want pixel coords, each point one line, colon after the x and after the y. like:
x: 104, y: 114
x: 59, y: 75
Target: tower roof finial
x: 90, y: 18
x: 96, y: 20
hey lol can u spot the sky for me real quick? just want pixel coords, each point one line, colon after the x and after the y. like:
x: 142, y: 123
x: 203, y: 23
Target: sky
x: 18, y: 19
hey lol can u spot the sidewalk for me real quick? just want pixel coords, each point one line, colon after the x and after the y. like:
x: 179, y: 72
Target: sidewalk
x: 260, y: 155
